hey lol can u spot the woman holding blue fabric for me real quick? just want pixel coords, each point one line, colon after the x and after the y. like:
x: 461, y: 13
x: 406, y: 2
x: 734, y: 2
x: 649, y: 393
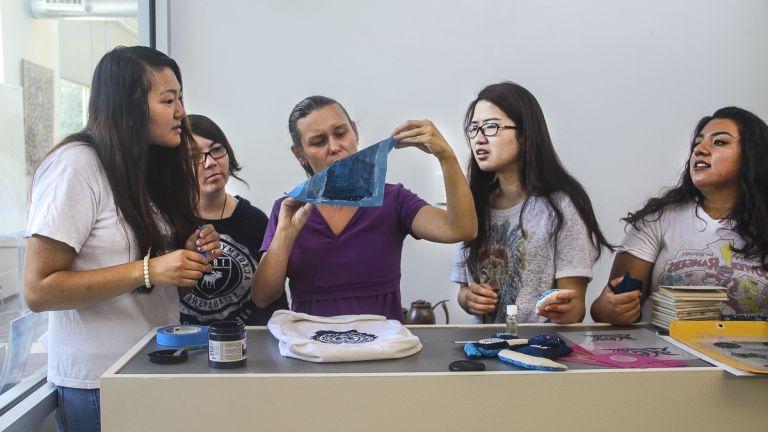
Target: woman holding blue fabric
x: 346, y: 260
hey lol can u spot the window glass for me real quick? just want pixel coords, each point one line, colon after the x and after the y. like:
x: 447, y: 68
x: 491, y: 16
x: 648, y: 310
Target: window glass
x: 73, y: 107
x: 47, y: 58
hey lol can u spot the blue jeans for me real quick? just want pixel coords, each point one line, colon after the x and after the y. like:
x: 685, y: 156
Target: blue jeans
x: 78, y: 410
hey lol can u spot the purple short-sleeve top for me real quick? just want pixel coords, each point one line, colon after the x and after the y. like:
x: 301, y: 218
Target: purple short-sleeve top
x: 357, y: 271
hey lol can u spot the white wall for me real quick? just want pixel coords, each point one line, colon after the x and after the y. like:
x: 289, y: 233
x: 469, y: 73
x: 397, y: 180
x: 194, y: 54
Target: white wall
x: 2, y: 62
x: 622, y: 85
x: 26, y: 38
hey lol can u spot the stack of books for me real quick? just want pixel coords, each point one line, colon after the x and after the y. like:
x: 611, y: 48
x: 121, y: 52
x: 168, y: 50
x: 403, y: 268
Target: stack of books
x: 687, y: 303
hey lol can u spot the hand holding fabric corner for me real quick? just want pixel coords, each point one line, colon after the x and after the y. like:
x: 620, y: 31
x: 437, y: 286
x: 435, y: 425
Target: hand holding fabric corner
x: 293, y: 216
x: 458, y: 220
x: 425, y: 136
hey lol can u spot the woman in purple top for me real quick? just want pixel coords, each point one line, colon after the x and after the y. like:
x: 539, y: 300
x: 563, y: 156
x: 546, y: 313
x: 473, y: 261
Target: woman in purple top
x: 346, y: 260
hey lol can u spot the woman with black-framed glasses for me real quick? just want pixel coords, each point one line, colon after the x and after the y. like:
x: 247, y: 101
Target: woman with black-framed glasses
x: 536, y: 226
x: 225, y: 293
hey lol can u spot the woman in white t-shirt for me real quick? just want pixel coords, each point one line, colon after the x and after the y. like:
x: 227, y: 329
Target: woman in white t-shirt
x: 122, y: 189
x: 536, y: 227
x: 710, y: 229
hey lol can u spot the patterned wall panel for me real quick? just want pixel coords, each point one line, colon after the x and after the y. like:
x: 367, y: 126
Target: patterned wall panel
x: 38, y: 83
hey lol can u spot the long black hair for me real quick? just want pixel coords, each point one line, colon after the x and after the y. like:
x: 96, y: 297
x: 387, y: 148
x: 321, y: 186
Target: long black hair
x: 207, y: 128
x: 542, y: 174
x: 749, y: 216
x: 140, y: 174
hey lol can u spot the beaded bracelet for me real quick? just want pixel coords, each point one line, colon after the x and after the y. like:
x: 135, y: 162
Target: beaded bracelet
x: 146, y: 269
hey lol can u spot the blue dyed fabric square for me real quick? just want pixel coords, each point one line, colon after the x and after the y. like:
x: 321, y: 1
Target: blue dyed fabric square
x: 355, y: 181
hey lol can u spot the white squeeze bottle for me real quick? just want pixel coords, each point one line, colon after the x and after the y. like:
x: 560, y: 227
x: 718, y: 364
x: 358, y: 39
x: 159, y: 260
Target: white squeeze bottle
x: 512, y: 320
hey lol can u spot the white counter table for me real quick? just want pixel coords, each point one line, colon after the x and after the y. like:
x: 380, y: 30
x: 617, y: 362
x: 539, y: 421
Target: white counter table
x: 418, y: 393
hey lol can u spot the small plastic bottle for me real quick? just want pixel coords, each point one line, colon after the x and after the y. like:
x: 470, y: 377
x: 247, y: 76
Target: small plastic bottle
x: 512, y: 320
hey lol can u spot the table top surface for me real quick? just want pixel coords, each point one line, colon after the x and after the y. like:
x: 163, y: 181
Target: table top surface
x: 439, y: 350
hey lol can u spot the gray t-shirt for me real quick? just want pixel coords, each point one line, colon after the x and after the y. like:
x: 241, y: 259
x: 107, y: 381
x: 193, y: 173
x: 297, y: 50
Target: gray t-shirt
x: 523, y: 262
x: 688, y: 247
x: 72, y: 202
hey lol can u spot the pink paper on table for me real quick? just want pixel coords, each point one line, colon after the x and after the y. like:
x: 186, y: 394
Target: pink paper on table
x: 621, y: 360
x: 582, y: 355
x: 636, y: 361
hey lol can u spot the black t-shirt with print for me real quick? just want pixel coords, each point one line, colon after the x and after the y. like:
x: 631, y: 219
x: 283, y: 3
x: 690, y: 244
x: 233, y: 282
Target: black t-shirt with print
x: 225, y: 294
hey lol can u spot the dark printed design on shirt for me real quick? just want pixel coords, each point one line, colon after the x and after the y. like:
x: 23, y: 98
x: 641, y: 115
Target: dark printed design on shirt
x: 501, y: 266
x: 226, y: 288
x: 346, y: 337
x: 717, y: 265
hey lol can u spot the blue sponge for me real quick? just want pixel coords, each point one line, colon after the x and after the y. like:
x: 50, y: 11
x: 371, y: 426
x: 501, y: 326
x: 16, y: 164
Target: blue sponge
x: 475, y: 352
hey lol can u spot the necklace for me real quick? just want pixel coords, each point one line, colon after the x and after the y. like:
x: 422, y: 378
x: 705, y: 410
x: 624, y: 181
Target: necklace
x: 221, y: 216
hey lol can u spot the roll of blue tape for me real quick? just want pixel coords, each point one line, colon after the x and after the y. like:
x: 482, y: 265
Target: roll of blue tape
x: 182, y: 335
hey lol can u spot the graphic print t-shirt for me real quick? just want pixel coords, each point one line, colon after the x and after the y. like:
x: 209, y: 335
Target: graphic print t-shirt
x: 690, y: 248
x: 225, y: 293
x: 524, y: 261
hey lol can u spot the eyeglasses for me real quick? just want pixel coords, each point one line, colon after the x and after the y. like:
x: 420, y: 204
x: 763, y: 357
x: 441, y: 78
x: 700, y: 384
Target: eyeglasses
x: 487, y: 129
x: 216, y: 152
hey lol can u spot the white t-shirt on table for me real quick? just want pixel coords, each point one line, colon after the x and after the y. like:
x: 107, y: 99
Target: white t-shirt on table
x: 72, y: 202
x: 690, y: 248
x: 523, y: 263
